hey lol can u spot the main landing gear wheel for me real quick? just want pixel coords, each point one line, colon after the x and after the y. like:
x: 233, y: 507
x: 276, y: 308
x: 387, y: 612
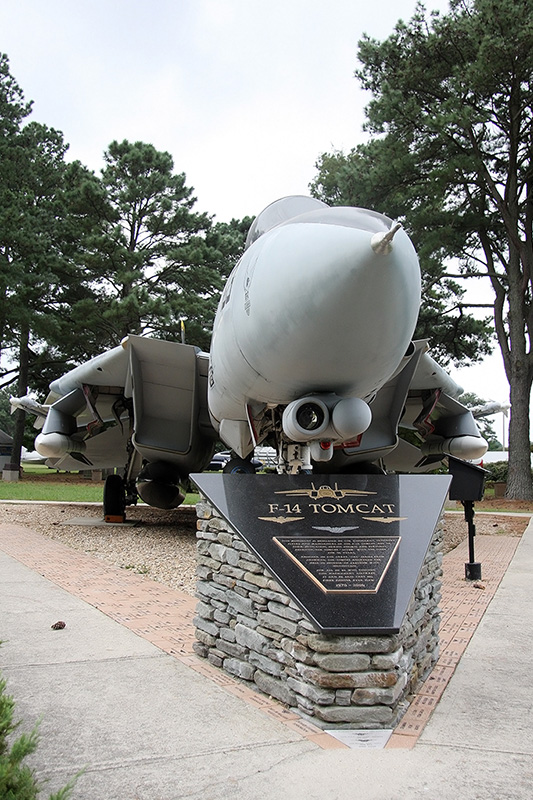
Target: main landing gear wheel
x: 237, y: 466
x: 114, y: 499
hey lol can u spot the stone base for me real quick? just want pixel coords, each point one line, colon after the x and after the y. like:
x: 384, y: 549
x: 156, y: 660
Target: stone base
x: 10, y: 475
x: 248, y: 626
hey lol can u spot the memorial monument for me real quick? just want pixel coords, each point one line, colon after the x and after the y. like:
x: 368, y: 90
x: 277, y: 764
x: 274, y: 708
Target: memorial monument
x: 324, y: 594
x: 313, y: 354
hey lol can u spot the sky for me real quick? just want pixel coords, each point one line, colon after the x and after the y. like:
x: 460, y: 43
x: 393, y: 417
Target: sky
x: 245, y: 94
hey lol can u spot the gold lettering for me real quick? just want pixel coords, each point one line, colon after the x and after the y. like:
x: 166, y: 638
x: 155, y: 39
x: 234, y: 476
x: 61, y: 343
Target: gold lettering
x: 272, y: 508
x: 294, y: 510
x: 363, y: 508
x: 347, y: 510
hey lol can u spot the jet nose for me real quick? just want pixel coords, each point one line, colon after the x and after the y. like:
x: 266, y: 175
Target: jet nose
x: 328, y: 307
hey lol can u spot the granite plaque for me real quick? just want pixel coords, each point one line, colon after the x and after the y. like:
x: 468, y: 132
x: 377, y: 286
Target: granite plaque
x: 347, y: 548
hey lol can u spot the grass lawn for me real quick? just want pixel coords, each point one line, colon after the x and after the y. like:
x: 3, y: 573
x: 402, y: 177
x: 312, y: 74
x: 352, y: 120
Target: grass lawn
x: 40, y: 483
x: 36, y: 490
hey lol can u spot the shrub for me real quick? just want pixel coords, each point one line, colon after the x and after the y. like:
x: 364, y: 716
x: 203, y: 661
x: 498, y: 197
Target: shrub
x: 497, y: 471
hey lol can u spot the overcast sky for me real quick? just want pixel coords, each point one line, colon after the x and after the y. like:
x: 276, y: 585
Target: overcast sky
x: 245, y: 94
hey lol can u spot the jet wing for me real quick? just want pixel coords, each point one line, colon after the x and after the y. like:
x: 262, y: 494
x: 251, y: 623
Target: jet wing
x: 422, y: 398
x: 143, y: 402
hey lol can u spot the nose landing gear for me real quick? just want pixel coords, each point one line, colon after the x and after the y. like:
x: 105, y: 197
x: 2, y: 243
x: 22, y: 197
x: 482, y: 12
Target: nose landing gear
x: 114, y: 499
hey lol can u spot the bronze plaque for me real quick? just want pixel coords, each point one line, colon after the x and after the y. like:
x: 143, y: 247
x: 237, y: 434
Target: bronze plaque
x: 342, y: 564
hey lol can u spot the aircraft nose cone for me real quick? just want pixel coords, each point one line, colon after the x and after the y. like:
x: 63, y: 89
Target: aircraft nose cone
x: 329, y: 307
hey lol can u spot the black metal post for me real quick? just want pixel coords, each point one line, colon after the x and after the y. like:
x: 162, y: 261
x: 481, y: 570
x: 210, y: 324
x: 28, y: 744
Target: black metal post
x: 473, y: 567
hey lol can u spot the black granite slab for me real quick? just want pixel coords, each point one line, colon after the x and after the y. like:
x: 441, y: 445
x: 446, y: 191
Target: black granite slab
x: 347, y: 548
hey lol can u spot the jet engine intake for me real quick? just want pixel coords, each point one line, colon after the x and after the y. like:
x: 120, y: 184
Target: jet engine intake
x: 158, y: 484
x: 326, y: 417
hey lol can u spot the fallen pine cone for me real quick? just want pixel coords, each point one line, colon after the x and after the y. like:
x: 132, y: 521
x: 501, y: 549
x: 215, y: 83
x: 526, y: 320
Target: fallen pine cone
x: 58, y: 626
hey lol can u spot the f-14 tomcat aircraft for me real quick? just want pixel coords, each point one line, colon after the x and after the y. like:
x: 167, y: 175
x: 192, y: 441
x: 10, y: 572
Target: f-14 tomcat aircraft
x: 312, y: 353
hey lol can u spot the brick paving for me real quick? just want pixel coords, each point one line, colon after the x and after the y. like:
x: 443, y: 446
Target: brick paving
x: 164, y: 617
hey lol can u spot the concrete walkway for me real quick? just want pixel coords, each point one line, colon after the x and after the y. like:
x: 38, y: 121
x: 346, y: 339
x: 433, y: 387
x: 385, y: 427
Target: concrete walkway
x: 121, y: 696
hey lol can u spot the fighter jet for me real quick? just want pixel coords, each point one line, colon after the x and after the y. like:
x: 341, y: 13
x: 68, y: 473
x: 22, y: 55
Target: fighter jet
x: 312, y: 354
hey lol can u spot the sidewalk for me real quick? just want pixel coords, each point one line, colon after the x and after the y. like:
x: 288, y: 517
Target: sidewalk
x: 120, y: 693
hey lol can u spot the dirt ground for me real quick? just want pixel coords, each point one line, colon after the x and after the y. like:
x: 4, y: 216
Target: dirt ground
x: 486, y: 521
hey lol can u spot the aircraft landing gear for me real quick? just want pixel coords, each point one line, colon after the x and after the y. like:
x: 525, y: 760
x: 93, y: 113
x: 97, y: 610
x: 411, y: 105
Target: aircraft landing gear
x: 114, y: 499
x: 295, y: 458
x: 239, y: 466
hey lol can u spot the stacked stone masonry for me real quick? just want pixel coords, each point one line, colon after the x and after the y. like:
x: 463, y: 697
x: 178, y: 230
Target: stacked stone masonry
x: 248, y: 626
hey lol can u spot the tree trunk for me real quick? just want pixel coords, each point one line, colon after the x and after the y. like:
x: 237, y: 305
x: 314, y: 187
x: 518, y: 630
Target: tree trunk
x: 22, y: 389
x: 517, y: 361
x: 519, y: 482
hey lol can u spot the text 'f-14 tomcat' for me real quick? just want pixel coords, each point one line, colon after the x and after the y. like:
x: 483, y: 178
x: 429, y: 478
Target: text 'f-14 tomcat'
x: 312, y: 353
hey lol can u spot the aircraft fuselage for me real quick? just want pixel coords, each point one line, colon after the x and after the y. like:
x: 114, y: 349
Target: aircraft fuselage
x: 313, y: 307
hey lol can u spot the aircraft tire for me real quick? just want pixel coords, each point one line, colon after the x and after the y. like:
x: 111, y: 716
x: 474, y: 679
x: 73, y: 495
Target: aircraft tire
x: 114, y: 496
x: 240, y: 466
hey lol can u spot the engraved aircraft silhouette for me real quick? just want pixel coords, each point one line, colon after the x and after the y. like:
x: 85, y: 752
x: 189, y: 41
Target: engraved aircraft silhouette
x: 320, y: 492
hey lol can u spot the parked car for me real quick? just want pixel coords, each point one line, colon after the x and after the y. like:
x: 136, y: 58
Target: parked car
x: 220, y: 460
x: 267, y: 456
